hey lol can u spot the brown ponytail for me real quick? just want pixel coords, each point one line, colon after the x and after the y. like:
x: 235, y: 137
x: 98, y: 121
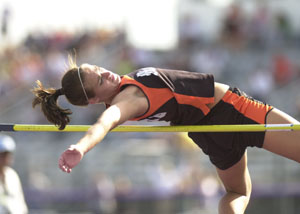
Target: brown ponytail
x: 47, y: 98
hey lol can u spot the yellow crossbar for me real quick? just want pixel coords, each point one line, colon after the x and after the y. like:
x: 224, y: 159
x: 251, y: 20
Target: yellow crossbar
x: 148, y: 128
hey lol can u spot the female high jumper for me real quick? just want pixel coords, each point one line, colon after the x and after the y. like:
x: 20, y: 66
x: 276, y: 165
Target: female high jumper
x: 178, y: 97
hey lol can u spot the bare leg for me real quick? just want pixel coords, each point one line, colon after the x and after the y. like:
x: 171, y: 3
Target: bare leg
x: 237, y: 183
x: 284, y: 143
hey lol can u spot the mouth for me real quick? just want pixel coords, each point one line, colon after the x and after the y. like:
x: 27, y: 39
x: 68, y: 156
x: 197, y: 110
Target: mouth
x: 115, y: 78
x: 112, y: 77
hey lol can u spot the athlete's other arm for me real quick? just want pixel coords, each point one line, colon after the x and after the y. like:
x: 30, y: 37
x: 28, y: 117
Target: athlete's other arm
x: 237, y: 183
x: 129, y: 103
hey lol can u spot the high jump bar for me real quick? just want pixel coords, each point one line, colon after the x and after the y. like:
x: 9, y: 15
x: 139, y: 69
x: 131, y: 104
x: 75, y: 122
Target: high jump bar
x: 149, y: 128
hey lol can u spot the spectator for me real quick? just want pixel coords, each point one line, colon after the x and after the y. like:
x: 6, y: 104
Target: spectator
x: 233, y: 32
x: 5, y: 21
x: 11, y: 193
x: 283, y: 72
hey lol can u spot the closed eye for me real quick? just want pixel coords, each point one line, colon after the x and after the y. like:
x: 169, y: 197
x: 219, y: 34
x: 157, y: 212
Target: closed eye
x: 99, y: 80
x: 99, y: 75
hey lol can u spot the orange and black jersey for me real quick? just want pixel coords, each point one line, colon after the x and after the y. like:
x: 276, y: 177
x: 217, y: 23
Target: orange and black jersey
x: 179, y: 97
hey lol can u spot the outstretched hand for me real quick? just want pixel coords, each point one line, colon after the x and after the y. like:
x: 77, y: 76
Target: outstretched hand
x: 70, y: 158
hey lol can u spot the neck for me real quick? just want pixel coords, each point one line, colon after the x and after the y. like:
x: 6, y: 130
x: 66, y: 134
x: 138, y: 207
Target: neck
x: 110, y: 99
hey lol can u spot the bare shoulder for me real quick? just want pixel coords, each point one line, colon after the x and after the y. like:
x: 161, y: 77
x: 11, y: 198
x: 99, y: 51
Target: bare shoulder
x: 134, y: 91
x: 131, y: 92
x: 133, y: 98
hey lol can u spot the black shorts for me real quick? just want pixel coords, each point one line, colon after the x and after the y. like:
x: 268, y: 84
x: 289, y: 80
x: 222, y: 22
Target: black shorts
x: 226, y: 148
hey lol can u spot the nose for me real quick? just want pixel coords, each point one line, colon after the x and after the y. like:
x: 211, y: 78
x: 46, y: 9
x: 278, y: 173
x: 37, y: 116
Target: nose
x: 103, y: 70
x: 104, y: 73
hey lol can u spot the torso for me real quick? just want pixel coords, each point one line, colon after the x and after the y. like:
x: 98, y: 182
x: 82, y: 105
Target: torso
x: 220, y: 90
x: 183, y: 98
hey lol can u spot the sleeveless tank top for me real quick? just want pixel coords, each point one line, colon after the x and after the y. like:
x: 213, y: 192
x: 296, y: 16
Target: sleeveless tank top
x: 175, y: 96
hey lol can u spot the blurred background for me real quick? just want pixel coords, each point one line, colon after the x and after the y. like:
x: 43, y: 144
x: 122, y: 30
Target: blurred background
x: 250, y: 44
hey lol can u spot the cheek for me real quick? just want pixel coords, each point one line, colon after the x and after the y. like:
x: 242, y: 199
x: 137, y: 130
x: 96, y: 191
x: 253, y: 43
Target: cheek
x: 105, y: 91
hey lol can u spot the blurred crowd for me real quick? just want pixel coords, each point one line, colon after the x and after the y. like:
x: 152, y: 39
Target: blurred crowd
x: 257, y: 53
x: 263, y: 35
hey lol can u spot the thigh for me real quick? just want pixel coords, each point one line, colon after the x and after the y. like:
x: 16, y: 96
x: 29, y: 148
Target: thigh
x: 284, y: 143
x: 237, y: 178
x: 237, y: 183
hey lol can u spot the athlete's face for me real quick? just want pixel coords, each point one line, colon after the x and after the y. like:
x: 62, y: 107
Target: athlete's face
x: 103, y: 82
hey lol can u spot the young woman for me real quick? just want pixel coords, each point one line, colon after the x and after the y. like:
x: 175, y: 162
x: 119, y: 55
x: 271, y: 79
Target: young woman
x: 182, y: 98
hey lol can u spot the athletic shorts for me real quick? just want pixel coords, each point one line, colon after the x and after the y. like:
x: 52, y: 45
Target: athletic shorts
x: 227, y: 148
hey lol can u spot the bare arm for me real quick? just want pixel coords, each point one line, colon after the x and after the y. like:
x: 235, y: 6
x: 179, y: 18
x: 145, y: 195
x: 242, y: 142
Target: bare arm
x: 128, y: 104
x: 237, y: 183
x: 111, y: 117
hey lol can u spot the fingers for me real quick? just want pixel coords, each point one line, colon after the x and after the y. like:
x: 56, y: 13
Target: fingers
x: 63, y: 166
x: 66, y: 169
x: 68, y: 159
